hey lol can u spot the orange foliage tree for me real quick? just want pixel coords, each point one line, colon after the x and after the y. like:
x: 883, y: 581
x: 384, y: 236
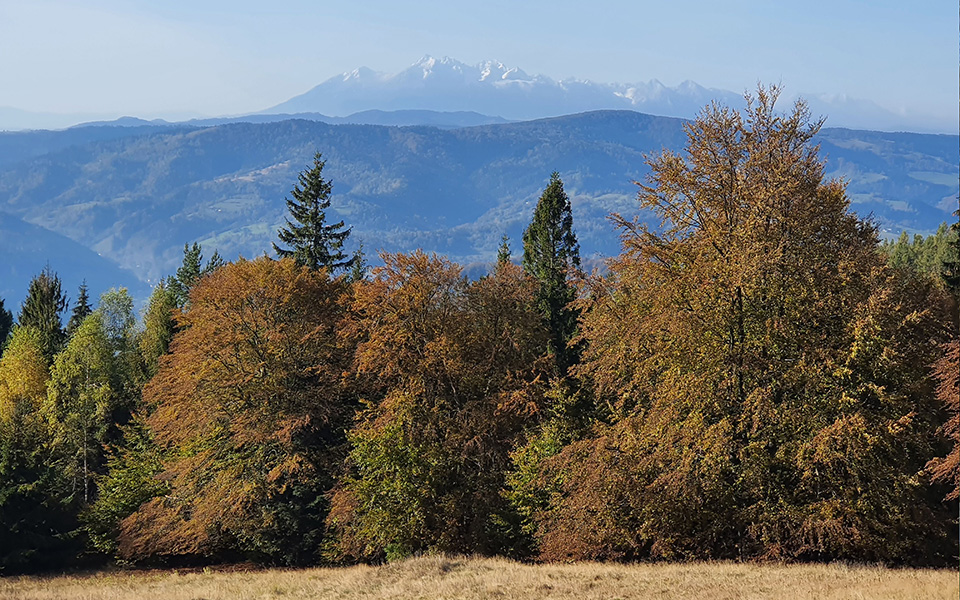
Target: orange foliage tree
x: 244, y: 411
x: 763, y: 371
x: 451, y: 372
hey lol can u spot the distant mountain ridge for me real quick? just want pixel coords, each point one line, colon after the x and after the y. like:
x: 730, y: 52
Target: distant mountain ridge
x: 492, y: 88
x: 134, y: 195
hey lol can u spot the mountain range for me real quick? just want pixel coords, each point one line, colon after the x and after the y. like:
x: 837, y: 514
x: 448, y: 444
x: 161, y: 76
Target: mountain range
x: 121, y: 201
x: 491, y: 92
x: 493, y: 88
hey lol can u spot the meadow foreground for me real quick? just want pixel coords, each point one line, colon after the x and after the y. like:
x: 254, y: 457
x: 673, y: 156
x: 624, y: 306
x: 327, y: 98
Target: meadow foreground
x: 437, y: 577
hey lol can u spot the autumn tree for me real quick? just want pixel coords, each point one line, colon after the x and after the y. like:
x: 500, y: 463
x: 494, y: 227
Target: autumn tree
x: 244, y: 411
x: 550, y: 254
x: 311, y: 241
x: 946, y: 470
x: 762, y: 371
x: 451, y: 371
x: 41, y: 310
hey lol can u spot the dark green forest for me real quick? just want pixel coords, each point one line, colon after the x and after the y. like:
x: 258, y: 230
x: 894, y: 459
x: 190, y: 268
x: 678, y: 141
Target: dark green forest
x: 754, y: 377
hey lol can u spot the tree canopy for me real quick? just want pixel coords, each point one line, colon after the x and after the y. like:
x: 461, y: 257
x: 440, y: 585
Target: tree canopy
x: 764, y: 372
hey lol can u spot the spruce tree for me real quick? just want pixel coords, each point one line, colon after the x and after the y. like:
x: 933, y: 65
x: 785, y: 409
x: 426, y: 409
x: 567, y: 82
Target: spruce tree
x: 80, y: 310
x: 503, y: 252
x: 358, y: 270
x: 41, y: 310
x: 190, y: 272
x: 313, y: 243
x: 550, y: 252
x: 6, y: 324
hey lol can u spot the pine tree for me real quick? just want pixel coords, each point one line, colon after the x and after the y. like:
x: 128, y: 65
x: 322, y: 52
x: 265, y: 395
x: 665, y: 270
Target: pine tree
x: 42, y: 308
x: 312, y: 242
x: 550, y: 251
x: 6, y: 324
x: 80, y: 310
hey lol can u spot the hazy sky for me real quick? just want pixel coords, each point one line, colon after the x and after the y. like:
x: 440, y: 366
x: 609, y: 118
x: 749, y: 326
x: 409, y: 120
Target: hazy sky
x: 213, y: 57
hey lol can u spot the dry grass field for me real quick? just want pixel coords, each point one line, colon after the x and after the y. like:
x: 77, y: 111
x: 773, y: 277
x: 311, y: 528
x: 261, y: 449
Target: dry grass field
x: 438, y: 577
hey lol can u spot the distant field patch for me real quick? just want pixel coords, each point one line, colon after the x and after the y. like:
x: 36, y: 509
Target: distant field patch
x: 436, y: 577
x: 947, y: 179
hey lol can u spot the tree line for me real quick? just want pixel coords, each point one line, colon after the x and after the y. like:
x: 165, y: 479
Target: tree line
x: 754, y: 377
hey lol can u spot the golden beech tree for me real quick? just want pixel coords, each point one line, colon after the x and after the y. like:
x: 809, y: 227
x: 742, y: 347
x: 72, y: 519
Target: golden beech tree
x: 765, y: 374
x: 451, y: 378
x: 244, y: 411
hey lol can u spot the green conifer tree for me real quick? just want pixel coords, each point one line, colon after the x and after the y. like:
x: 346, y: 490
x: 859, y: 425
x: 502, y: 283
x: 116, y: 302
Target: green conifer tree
x: 503, y: 252
x: 81, y: 309
x: 313, y: 243
x: 358, y: 270
x: 550, y: 252
x: 42, y: 309
x: 6, y: 325
x: 190, y: 272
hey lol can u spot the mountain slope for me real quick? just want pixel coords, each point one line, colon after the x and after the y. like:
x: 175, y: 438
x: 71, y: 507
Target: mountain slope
x: 136, y: 200
x: 26, y: 249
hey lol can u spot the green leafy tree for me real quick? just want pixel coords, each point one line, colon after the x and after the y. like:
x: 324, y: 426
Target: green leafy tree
x: 82, y: 403
x: 130, y: 481
x: 120, y: 326
x: 550, y: 253
x: 80, y: 311
x: 312, y: 243
x: 41, y: 310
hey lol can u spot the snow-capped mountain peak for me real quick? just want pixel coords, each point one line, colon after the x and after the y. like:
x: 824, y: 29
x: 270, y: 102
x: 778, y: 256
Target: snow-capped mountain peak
x: 493, y: 88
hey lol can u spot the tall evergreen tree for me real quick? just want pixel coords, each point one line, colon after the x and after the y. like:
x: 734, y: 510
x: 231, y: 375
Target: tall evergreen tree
x: 42, y: 308
x: 358, y: 270
x: 312, y: 242
x: 80, y: 310
x: 190, y: 271
x: 550, y: 252
x: 6, y: 324
x: 503, y: 252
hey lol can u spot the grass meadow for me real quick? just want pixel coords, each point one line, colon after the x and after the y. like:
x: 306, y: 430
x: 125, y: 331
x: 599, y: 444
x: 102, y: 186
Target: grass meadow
x: 440, y: 577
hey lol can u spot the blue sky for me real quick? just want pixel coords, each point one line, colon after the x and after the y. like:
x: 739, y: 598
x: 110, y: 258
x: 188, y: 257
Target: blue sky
x: 212, y: 57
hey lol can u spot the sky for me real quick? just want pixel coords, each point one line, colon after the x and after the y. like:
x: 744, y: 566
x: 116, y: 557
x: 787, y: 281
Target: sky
x: 180, y: 58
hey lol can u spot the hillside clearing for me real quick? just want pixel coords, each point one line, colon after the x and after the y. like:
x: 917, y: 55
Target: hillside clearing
x: 436, y: 577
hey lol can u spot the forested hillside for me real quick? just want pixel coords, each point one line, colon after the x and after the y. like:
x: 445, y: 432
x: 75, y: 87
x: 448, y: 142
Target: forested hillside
x: 754, y: 376
x: 134, y: 195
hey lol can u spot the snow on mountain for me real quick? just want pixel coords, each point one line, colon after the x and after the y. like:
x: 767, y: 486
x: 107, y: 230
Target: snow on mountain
x: 495, y: 88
